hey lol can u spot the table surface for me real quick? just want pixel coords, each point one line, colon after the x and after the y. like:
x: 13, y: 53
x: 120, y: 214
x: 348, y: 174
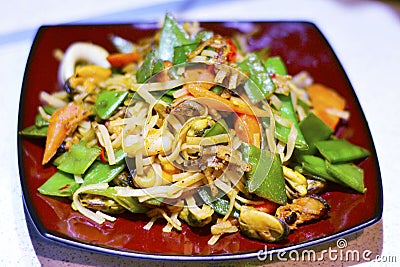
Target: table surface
x: 364, y: 34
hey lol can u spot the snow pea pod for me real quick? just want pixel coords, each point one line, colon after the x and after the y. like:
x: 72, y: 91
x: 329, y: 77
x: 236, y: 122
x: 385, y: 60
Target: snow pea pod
x: 218, y: 128
x: 79, y: 158
x: 313, y: 130
x: 275, y: 65
x: 349, y: 174
x: 40, y: 122
x: 266, y: 176
x: 340, y: 151
x: 101, y: 173
x: 217, y: 203
x: 108, y: 101
x: 260, y: 85
x: 151, y: 65
x: 282, y: 132
x: 316, y: 166
x: 172, y: 35
x: 60, y: 184
x: 34, y: 131
x: 180, y: 53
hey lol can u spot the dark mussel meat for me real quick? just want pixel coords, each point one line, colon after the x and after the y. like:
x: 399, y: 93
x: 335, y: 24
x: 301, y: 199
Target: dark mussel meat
x: 303, y: 210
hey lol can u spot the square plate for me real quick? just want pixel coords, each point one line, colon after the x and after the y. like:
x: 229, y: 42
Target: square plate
x: 300, y: 44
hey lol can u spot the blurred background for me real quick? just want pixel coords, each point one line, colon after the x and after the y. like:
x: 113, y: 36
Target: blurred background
x: 365, y: 35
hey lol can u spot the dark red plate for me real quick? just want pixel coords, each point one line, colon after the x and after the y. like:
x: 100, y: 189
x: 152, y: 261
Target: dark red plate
x: 301, y: 45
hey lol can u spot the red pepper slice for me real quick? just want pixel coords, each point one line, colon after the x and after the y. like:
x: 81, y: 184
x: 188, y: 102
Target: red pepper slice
x: 102, y: 156
x: 231, y: 56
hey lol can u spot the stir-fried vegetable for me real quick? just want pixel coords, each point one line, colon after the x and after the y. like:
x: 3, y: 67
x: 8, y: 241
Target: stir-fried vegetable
x: 189, y: 127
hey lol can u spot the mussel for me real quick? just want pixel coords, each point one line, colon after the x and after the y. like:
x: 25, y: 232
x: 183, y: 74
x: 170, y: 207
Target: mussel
x: 263, y: 226
x: 194, y: 219
x: 101, y: 203
x: 303, y: 210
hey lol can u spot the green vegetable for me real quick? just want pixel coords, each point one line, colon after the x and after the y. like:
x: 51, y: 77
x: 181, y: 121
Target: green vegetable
x: 275, y: 65
x: 316, y: 166
x: 260, y: 84
x: 180, y: 52
x: 79, y: 158
x: 167, y: 99
x: 314, y: 130
x: 49, y: 109
x: 101, y: 172
x: 266, y: 176
x: 119, y: 156
x: 129, y: 203
x: 340, y: 151
x: 61, y: 184
x: 217, y: 89
x: 40, y: 122
x: 157, y: 201
x: 172, y: 35
x: 202, y: 36
x: 57, y: 161
x: 108, y: 101
x: 151, y: 65
x: 218, y: 128
x: 217, y: 203
x: 282, y: 132
x: 349, y: 174
x: 34, y: 131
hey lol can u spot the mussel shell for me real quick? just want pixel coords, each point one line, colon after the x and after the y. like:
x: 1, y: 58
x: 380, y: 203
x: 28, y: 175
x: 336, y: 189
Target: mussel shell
x: 101, y: 203
x: 262, y: 226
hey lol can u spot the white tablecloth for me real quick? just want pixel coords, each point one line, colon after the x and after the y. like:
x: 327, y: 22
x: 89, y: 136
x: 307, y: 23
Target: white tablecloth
x: 364, y: 34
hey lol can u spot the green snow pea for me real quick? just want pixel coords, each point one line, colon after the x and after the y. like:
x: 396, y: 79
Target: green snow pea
x: 282, y: 132
x: 202, y: 36
x: 34, y: 131
x: 349, y: 174
x: 79, y: 158
x: 218, y: 128
x: 120, y: 155
x: 217, y: 203
x: 60, y: 184
x: 151, y: 65
x: 49, y: 109
x: 217, y: 89
x: 101, y: 172
x: 180, y: 52
x: 108, y: 101
x: 40, y: 122
x: 314, y: 130
x: 340, y: 151
x: 266, y: 176
x: 157, y: 201
x: 275, y: 65
x: 172, y: 35
x: 316, y: 166
x: 260, y: 85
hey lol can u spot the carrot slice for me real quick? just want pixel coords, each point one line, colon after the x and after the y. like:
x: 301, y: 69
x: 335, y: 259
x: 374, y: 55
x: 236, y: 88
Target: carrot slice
x: 323, y: 98
x: 63, y: 121
x: 248, y: 129
x: 119, y: 60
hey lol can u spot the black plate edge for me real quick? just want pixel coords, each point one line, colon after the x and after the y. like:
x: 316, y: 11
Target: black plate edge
x: 46, y: 234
